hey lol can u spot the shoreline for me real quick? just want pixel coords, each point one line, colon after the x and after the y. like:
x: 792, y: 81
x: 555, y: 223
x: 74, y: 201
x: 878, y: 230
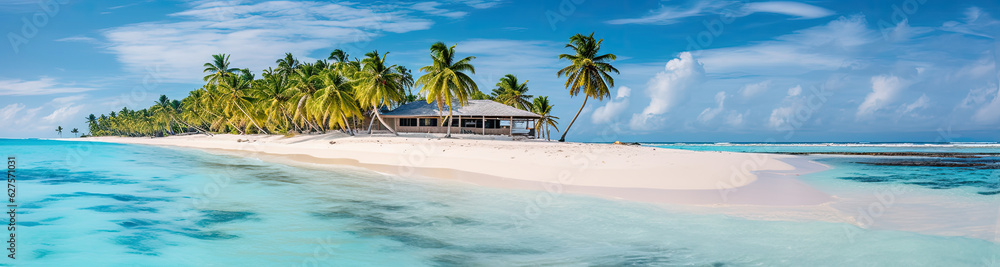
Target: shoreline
x: 632, y: 173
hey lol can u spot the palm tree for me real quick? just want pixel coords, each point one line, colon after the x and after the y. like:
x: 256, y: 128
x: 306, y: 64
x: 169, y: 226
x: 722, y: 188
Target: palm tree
x: 287, y: 65
x: 338, y: 55
x: 588, y: 72
x: 234, y: 90
x: 59, y: 130
x: 406, y: 80
x: 446, y: 79
x: 333, y: 104
x: 541, y: 107
x: 510, y: 93
x: 92, y: 124
x: 378, y: 86
x: 218, y: 68
x: 164, y: 109
x: 75, y: 131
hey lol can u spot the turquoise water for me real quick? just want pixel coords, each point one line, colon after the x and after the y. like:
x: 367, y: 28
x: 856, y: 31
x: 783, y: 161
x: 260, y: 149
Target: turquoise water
x: 114, y: 205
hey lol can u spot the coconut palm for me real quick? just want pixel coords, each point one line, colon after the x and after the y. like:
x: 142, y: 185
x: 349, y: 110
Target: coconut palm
x: 333, y: 103
x: 378, y: 86
x: 75, y: 132
x: 234, y: 92
x: 339, y: 56
x: 92, y: 124
x: 542, y: 107
x: 406, y: 80
x: 59, y: 130
x: 511, y: 93
x: 588, y: 73
x: 218, y: 68
x: 287, y: 65
x: 445, y: 80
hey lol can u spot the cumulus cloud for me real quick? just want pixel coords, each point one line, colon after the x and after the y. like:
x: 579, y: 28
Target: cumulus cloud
x: 666, y: 89
x: 885, y: 88
x: 795, y: 91
x: 784, y: 116
x: 42, y: 86
x: 254, y: 33
x: 754, y: 89
x: 709, y: 113
x: 613, y: 108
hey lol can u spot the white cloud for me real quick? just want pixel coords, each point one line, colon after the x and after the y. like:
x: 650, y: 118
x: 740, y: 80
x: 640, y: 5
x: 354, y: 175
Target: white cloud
x: 783, y: 117
x: 734, y: 119
x: 614, y: 108
x: 432, y: 9
x: 754, y: 89
x: 254, y: 34
x: 666, y: 89
x: 709, y: 113
x: 885, y: 88
x: 80, y: 39
x: 990, y: 112
x: 8, y: 112
x: 42, y: 86
x: 481, y: 4
x: 824, y: 47
x: 920, y: 103
x: 63, y: 114
x: 795, y: 91
x: 800, y: 10
x: 672, y: 14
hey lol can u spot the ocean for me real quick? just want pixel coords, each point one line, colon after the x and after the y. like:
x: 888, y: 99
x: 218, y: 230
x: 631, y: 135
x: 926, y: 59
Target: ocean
x: 98, y: 204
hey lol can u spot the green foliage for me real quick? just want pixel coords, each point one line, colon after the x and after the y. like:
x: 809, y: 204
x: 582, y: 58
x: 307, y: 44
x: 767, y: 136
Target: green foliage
x: 296, y: 98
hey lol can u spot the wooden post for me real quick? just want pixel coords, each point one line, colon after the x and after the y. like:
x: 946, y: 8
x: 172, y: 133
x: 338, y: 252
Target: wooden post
x: 484, y: 125
x: 511, y: 132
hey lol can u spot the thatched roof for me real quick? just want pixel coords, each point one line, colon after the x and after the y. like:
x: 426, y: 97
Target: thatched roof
x: 475, y: 108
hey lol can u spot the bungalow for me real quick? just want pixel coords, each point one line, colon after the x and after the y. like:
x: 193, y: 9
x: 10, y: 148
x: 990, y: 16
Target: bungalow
x: 485, y: 117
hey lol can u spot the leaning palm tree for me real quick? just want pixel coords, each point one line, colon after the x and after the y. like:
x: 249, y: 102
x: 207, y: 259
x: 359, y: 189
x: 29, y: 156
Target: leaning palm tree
x: 588, y: 72
x: 511, y: 93
x: 59, y: 130
x: 333, y: 103
x: 378, y: 86
x: 234, y: 90
x: 542, y: 107
x: 218, y: 68
x: 446, y: 80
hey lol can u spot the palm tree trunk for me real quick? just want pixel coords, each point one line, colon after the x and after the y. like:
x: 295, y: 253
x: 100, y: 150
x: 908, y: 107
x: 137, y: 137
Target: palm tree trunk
x: 383, y: 122
x: 192, y: 126
x: 448, y: 135
x: 371, y: 123
x: 563, y: 138
x: 347, y: 125
x: 262, y: 129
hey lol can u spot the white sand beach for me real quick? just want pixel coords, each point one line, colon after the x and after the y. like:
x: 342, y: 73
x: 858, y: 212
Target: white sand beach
x: 614, y: 171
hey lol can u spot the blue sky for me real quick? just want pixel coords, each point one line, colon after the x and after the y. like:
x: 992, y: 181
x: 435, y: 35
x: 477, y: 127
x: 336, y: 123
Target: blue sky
x: 700, y: 70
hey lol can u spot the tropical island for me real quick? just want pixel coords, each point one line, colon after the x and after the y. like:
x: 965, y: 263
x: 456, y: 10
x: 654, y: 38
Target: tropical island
x: 364, y: 113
